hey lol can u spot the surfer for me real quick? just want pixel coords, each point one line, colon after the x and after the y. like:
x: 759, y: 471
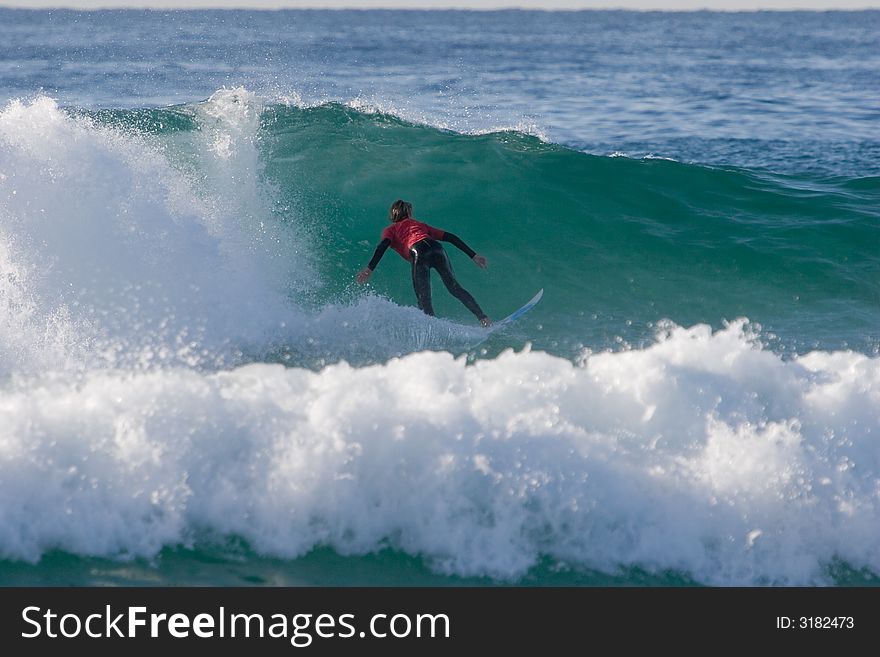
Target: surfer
x: 419, y: 243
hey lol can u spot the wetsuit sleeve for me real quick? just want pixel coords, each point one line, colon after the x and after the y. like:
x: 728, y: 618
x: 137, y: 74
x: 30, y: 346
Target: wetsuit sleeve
x: 380, y: 251
x: 456, y: 241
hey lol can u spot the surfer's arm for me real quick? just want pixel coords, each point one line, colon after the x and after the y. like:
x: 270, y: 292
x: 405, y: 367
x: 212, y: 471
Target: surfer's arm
x: 364, y: 274
x: 456, y: 241
x: 380, y: 251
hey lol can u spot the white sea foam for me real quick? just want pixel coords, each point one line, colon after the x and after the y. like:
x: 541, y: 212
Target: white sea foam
x: 105, y: 246
x: 702, y: 453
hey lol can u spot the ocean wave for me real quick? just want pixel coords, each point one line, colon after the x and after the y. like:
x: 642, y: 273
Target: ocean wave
x: 223, y: 227
x: 182, y: 350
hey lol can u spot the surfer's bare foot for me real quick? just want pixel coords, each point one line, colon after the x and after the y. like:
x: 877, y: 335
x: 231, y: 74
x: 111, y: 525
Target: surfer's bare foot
x: 485, y: 322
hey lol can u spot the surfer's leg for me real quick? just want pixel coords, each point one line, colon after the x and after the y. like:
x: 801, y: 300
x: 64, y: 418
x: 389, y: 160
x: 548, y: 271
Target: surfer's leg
x: 444, y: 268
x: 421, y: 277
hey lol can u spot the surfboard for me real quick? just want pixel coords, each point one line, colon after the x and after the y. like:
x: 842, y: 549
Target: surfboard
x: 512, y: 317
x: 519, y: 312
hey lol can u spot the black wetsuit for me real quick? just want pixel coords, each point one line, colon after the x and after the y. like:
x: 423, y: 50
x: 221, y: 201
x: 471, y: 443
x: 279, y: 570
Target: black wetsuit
x: 424, y: 255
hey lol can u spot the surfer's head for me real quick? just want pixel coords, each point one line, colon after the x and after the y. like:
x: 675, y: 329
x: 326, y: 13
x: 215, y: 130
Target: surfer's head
x: 399, y: 211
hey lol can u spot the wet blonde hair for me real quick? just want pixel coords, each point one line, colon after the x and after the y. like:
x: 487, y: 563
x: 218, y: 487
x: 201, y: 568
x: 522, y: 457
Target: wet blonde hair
x: 399, y: 211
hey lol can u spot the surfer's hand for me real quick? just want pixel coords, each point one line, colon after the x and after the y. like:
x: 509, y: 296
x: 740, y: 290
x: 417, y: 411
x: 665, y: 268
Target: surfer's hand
x: 481, y: 261
x: 485, y: 322
x: 364, y: 275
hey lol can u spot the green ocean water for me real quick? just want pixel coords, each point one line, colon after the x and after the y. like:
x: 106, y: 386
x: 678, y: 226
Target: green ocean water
x: 236, y: 565
x: 615, y: 242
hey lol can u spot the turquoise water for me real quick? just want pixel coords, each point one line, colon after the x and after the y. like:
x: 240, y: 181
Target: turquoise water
x: 193, y: 390
x: 628, y: 241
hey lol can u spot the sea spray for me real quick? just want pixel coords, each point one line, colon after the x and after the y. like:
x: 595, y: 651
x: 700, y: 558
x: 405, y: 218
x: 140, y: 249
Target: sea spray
x: 120, y: 251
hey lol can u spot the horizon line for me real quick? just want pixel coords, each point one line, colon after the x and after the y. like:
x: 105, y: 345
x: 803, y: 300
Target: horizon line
x: 646, y: 10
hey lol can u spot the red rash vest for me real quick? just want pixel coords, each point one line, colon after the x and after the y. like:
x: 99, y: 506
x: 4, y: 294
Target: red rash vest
x: 407, y: 232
